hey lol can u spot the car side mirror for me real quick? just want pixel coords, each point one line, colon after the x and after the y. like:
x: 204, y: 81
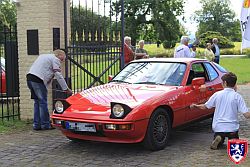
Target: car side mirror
x: 110, y: 77
x: 198, y: 82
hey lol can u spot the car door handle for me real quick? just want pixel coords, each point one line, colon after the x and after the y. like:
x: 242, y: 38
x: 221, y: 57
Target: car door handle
x: 210, y: 89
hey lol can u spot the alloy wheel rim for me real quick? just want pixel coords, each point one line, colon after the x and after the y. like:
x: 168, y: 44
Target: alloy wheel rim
x: 160, y: 129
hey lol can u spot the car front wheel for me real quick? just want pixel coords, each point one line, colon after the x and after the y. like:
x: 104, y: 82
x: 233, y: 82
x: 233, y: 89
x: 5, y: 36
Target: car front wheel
x: 158, y: 130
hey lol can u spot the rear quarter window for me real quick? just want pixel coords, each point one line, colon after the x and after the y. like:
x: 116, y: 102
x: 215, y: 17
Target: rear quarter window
x: 212, y: 73
x: 220, y: 68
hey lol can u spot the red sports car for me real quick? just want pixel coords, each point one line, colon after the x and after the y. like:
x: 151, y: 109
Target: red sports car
x: 142, y: 103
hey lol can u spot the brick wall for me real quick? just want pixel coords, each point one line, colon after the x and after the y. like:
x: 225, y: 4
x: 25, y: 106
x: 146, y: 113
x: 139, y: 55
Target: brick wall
x: 42, y: 15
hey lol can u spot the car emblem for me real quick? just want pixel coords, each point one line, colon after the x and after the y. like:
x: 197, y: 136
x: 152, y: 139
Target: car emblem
x: 237, y: 150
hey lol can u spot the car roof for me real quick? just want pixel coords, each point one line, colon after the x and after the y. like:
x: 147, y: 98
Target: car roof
x: 179, y: 60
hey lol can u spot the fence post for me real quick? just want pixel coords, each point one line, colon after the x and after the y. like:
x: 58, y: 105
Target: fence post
x: 30, y: 17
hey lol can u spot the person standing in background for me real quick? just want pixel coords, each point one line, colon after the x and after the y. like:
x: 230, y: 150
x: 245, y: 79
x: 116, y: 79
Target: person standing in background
x: 183, y: 50
x: 216, y: 50
x: 208, y: 53
x: 128, y: 50
x: 193, y: 50
x: 141, y: 52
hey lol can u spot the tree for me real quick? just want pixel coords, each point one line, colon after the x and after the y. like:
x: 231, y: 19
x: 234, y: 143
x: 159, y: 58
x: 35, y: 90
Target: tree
x: 7, y: 17
x: 235, y: 31
x: 7, y: 13
x: 158, y: 15
x: 88, y: 26
x: 147, y: 32
x: 216, y: 15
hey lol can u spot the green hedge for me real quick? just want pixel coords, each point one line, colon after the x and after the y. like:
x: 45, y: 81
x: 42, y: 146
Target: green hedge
x: 208, y: 36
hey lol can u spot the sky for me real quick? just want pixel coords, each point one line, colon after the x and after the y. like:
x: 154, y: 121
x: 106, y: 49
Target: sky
x: 192, y: 5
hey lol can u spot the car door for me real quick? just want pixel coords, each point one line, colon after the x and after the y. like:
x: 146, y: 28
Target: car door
x: 213, y: 85
x: 212, y: 77
x: 196, y: 96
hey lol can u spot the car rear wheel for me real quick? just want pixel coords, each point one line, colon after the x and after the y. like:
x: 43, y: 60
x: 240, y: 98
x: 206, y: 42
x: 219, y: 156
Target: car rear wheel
x: 158, y: 130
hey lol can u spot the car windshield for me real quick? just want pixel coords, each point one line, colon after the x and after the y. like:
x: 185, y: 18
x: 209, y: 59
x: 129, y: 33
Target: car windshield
x: 160, y: 73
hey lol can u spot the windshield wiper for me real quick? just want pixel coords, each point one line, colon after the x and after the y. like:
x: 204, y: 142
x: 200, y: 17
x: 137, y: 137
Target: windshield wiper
x: 153, y: 83
x: 121, y: 81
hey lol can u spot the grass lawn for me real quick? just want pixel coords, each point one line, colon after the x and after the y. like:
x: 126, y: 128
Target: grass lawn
x: 239, y: 66
x: 153, y: 51
x: 80, y: 79
x: 12, y: 126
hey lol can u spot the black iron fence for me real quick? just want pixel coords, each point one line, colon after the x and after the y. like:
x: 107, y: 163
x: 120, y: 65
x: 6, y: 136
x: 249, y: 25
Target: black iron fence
x: 9, y: 80
x: 95, y: 48
x: 89, y: 69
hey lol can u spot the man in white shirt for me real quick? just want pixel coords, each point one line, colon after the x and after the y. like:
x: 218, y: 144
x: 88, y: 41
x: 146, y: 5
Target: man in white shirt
x: 40, y: 75
x: 227, y: 104
x: 183, y: 50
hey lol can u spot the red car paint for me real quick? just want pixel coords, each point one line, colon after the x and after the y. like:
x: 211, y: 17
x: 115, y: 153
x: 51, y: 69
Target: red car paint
x: 2, y: 82
x: 93, y: 105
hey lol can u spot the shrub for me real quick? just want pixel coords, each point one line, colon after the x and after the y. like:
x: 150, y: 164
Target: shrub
x: 168, y: 44
x: 230, y: 51
x: 199, y: 54
x: 247, y: 52
x: 208, y: 36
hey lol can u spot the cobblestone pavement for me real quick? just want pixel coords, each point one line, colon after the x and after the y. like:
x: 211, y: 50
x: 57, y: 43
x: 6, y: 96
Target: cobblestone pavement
x: 187, y: 147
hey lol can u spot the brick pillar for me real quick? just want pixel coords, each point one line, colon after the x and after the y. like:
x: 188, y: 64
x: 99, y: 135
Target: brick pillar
x: 42, y: 16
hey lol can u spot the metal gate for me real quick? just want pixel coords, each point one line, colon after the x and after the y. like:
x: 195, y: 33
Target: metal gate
x: 96, y: 42
x: 9, y: 80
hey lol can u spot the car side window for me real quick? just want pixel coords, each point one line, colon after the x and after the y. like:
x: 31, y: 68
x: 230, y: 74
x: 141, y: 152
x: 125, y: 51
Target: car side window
x: 197, y: 70
x: 212, y: 73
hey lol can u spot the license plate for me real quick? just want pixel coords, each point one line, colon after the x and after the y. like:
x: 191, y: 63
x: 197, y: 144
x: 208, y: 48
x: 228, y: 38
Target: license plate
x: 79, y: 126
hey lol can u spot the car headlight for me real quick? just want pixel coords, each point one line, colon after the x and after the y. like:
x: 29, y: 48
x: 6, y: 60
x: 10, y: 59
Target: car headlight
x: 119, y: 111
x: 59, y: 107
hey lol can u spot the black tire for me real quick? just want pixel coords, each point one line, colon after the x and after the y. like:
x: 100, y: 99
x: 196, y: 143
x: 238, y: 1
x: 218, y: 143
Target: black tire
x: 158, y: 131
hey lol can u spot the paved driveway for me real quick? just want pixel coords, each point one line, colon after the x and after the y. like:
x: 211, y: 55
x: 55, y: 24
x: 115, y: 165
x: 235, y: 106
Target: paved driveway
x: 188, y: 147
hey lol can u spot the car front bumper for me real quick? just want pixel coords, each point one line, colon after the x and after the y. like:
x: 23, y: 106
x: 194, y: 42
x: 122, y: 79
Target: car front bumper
x: 133, y: 132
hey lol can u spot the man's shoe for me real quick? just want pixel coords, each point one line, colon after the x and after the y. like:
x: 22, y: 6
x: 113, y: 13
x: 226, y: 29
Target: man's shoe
x: 49, y: 128
x: 36, y: 128
x: 216, y: 142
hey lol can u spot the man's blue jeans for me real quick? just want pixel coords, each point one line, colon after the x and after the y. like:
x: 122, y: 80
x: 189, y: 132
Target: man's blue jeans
x: 217, y: 59
x: 41, y: 114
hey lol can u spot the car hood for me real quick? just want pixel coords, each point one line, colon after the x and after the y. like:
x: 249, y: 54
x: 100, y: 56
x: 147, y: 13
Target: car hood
x: 129, y: 94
